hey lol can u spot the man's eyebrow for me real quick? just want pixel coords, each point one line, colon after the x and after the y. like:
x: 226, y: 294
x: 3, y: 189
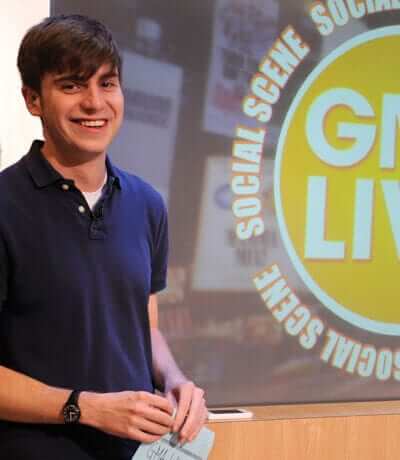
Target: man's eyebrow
x: 80, y: 79
x: 110, y: 74
x: 71, y: 76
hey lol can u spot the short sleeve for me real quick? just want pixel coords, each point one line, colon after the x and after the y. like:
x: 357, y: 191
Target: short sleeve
x: 160, y: 252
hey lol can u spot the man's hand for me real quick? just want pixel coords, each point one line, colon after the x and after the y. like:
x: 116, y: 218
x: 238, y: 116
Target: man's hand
x: 191, y: 412
x: 137, y: 415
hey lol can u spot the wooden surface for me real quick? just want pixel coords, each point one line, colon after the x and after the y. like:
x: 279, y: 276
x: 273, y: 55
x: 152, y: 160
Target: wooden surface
x: 352, y: 431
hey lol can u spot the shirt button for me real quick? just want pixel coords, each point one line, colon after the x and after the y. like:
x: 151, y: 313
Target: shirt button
x: 81, y: 209
x: 65, y: 186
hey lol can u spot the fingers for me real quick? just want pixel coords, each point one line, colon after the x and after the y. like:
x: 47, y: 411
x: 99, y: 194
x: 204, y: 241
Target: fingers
x: 196, y: 416
x: 156, y: 401
x: 146, y: 417
x: 191, y: 412
x: 152, y: 417
x: 203, y: 420
x: 142, y: 416
x: 184, y: 401
x: 149, y: 427
x: 152, y: 414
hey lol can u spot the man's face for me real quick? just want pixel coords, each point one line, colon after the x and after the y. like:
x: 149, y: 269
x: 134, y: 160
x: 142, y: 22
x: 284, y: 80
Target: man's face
x: 80, y: 118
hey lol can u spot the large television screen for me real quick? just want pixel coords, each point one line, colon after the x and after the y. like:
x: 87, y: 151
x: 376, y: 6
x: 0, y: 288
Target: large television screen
x: 270, y: 128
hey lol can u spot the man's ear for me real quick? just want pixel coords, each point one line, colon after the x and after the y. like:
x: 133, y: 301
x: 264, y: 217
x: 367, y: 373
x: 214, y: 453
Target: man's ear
x: 32, y: 101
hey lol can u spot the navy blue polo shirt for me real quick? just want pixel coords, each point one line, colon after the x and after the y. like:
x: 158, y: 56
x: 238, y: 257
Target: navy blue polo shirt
x: 74, y: 288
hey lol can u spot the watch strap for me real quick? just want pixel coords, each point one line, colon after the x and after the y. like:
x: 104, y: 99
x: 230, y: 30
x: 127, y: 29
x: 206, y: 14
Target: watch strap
x: 71, y: 410
x: 73, y: 398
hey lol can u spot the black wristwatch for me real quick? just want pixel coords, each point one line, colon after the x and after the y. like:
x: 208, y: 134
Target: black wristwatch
x: 71, y: 411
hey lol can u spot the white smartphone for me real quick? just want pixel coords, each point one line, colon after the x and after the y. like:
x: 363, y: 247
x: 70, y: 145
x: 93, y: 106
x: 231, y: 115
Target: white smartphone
x: 236, y: 413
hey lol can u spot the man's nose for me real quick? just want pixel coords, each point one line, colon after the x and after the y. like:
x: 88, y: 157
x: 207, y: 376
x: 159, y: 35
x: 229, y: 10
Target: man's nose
x: 92, y: 99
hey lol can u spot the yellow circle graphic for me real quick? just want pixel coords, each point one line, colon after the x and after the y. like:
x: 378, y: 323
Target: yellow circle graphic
x: 337, y: 183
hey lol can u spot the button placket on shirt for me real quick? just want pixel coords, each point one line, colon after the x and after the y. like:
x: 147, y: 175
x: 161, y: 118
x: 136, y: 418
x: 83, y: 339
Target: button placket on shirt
x: 96, y: 225
x: 66, y: 187
x: 97, y: 230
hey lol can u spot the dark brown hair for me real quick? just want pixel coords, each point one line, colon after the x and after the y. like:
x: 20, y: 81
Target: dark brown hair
x: 66, y: 43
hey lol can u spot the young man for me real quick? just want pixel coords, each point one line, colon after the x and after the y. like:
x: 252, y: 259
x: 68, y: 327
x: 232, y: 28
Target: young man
x: 83, y: 249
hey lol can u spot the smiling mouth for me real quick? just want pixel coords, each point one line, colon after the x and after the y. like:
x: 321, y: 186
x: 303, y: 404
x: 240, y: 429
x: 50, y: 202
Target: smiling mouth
x: 91, y: 123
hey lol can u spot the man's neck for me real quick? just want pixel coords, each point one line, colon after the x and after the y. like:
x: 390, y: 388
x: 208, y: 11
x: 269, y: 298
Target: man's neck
x: 88, y: 175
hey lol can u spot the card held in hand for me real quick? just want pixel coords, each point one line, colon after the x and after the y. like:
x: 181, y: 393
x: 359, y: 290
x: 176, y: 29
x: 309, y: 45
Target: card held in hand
x: 167, y: 448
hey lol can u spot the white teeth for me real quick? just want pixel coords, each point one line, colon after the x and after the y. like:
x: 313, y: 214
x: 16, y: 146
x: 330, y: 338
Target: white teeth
x: 93, y: 123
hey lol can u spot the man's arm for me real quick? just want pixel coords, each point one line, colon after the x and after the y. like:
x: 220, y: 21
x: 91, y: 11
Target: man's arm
x: 23, y: 399
x: 191, y: 407
x: 138, y: 415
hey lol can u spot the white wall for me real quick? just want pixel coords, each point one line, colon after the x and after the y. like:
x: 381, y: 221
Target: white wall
x: 17, y: 127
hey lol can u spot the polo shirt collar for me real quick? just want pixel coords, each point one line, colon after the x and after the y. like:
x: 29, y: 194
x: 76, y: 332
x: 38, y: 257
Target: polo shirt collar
x: 113, y: 174
x: 43, y: 174
x: 41, y: 171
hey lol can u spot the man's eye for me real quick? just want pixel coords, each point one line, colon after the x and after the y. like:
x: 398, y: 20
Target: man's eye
x: 109, y: 84
x: 70, y: 87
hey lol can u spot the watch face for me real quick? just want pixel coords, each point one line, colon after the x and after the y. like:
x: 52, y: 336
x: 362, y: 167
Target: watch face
x: 71, y: 413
